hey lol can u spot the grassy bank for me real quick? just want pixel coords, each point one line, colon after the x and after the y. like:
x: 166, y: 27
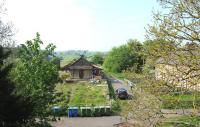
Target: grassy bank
x: 182, y: 121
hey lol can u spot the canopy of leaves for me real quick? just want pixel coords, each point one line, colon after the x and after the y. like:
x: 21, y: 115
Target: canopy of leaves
x: 15, y: 110
x: 36, y: 74
x: 175, y: 43
x: 97, y: 58
x: 127, y: 56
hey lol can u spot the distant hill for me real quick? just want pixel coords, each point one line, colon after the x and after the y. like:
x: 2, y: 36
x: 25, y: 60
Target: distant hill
x: 69, y: 55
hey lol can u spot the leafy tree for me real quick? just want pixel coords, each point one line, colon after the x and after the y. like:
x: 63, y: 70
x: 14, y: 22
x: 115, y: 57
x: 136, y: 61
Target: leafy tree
x: 178, y: 26
x: 179, y: 23
x: 36, y: 74
x: 98, y: 58
x: 144, y: 109
x: 15, y: 110
x: 124, y: 57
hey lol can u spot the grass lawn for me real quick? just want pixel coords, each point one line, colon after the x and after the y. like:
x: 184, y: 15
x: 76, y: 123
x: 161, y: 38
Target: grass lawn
x: 182, y: 121
x: 89, y: 95
x: 173, y: 101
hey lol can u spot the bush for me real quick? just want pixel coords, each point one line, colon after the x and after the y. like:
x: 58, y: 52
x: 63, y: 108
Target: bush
x: 116, y: 106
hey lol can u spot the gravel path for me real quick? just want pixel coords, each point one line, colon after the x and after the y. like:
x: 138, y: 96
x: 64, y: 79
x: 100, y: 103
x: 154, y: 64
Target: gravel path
x: 108, y: 121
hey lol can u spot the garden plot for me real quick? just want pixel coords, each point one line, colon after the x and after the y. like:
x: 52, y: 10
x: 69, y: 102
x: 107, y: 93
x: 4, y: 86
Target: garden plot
x: 84, y: 94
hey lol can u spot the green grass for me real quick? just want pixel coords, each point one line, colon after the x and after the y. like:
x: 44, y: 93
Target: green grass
x: 177, y: 101
x: 181, y: 97
x: 89, y: 95
x: 181, y: 121
x: 62, y: 97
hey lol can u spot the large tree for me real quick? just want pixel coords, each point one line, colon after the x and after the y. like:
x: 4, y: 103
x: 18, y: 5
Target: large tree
x: 15, y: 110
x: 36, y: 74
x: 179, y: 25
x: 127, y: 56
x: 177, y: 32
x: 98, y: 58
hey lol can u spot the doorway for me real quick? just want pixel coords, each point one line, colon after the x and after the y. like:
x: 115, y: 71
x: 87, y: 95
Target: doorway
x: 81, y: 74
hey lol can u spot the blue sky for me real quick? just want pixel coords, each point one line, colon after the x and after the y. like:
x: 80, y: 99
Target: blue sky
x: 96, y: 25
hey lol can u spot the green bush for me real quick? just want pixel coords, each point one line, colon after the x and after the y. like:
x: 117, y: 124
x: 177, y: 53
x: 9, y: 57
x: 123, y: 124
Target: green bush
x: 116, y: 106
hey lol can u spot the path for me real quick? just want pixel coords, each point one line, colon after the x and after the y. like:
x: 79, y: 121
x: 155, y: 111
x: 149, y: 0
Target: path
x: 116, y: 83
x: 108, y: 121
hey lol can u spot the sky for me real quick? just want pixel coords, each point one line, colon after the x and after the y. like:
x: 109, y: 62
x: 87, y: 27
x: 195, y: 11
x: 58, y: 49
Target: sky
x: 94, y: 25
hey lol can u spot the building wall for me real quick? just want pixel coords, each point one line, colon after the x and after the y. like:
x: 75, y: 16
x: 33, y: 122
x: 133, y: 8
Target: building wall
x: 87, y: 74
x: 178, y: 76
x: 75, y: 74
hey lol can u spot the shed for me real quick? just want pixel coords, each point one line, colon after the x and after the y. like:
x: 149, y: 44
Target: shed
x: 83, y: 69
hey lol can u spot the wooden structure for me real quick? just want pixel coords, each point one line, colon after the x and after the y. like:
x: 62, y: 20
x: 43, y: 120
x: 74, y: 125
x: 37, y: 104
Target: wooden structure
x: 83, y: 69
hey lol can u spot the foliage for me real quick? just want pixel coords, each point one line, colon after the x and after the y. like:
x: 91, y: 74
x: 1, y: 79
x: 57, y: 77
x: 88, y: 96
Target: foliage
x: 176, y: 42
x: 97, y: 58
x: 36, y: 74
x: 144, y: 108
x: 64, y: 75
x: 15, y: 110
x: 70, y: 55
x: 80, y: 94
x: 62, y: 94
x: 116, y: 107
x: 179, y: 100
x: 127, y: 56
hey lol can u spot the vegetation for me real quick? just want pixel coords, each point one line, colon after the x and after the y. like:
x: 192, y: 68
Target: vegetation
x: 28, y: 90
x: 65, y: 75
x: 15, y: 110
x: 96, y: 97
x: 125, y: 57
x: 177, y: 30
x: 80, y: 94
x: 181, y: 121
x: 97, y: 58
x: 180, y: 100
x: 68, y: 56
x: 35, y: 75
